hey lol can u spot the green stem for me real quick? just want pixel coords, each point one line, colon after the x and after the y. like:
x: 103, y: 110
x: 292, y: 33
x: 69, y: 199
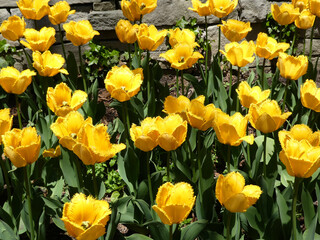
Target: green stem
x: 82, y: 70
x: 229, y: 226
x: 182, y: 84
x: 62, y: 43
x: 149, y: 178
x: 170, y: 232
x: 18, y: 111
x: 228, y: 158
x: 294, y: 207
x: 168, y: 166
x: 262, y: 74
x: 6, y: 178
x: 265, y: 155
x: 80, y: 179
x: 285, y: 95
x: 311, y: 39
x: 291, y: 51
x: 148, y: 76
x: 237, y: 99
x: 35, y: 25
x: 207, y: 51
x: 230, y: 81
x: 130, y: 60
x: 28, y: 192
x: 177, y: 84
x: 126, y: 122
x: 94, y: 179
x: 27, y: 56
x: 304, y: 43
x: 219, y: 38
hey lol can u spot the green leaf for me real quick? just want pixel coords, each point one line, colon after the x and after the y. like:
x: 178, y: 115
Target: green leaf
x: 69, y: 168
x: 137, y: 236
x: 311, y: 230
x: 158, y: 230
x: 193, y: 230
x: 283, y: 211
x: 59, y: 223
x: 42, y: 226
x: 6, y: 232
x: 307, y: 205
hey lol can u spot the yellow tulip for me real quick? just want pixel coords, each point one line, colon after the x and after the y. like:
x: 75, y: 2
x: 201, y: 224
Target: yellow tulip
x: 202, y: 9
x: 59, y: 12
x: 13, y: 28
x: 174, y: 202
x: 266, y: 116
x: 301, y: 4
x: 200, y: 116
x: 123, y: 83
x: 67, y: 128
x: 231, y: 130
x: 60, y: 101
x: 248, y: 95
x: 22, y: 147
x: 85, y: 218
x: 314, y: 7
x: 13, y: 81
x: 182, y: 56
x: 310, y: 95
x: 222, y: 8
x: 5, y: 122
x: 52, y: 152
x: 239, y: 54
x: 173, y: 131
x: 285, y: 14
x: 305, y: 20
x: 149, y: 38
x: 178, y: 36
x: 235, y: 30
x: 126, y: 32
x: 300, y: 132
x: 268, y: 47
x: 48, y: 64
x: 135, y: 9
x: 300, y: 157
x: 34, y: 9
x: 93, y: 144
x: 234, y: 195
x: 39, y: 40
x: 292, y: 67
x: 145, y: 137
x: 79, y: 33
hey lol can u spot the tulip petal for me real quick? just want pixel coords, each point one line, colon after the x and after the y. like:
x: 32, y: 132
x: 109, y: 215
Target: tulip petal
x: 252, y: 193
x: 162, y: 215
x: 237, y: 203
x: 16, y: 159
x: 92, y: 233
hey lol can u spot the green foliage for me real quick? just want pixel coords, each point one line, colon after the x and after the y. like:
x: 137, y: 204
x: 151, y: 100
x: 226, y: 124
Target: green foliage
x: 6, y: 54
x: 279, y: 32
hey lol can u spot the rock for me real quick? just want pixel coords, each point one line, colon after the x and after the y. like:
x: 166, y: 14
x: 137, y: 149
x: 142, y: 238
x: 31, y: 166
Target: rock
x: 6, y: 3
x: 104, y: 6
x: 4, y: 15
x: 105, y: 20
x: 71, y: 2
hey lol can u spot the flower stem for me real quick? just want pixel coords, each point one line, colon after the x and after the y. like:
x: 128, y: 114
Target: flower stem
x: 82, y: 70
x: 80, y: 179
x: 285, y: 96
x: 130, y: 59
x: 170, y: 233
x: 18, y: 111
x: 291, y: 51
x: 219, y: 38
x: 94, y: 179
x: 148, y: 76
x: 237, y: 99
x: 230, y: 81
x: 265, y: 155
x: 262, y: 74
x: 182, y: 84
x: 229, y: 226
x: 168, y: 166
x: 27, y: 56
x: 311, y: 39
x: 28, y: 192
x: 228, y: 158
x: 127, y: 121
x: 6, y: 178
x: 207, y: 51
x: 294, y: 207
x: 149, y: 179
x: 62, y: 43
x: 304, y: 43
x: 177, y: 84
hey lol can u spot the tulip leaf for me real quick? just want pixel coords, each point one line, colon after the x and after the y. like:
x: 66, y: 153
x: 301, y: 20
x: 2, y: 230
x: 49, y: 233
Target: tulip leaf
x: 137, y: 236
x: 310, y: 232
x: 72, y: 69
x: 308, y: 208
x: 68, y: 168
x: 193, y: 230
x: 197, y: 85
x: 59, y: 223
x: 158, y: 230
x: 283, y: 211
x: 286, y: 178
x: 6, y: 232
x: 270, y: 147
x: 42, y: 226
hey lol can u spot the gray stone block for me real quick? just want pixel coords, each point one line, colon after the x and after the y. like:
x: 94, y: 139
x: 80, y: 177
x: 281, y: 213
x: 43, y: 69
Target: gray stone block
x: 105, y: 20
x: 104, y: 6
x: 71, y: 2
x: 4, y: 15
x: 6, y: 3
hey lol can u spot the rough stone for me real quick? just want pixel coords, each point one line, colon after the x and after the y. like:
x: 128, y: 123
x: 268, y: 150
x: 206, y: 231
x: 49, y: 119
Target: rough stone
x: 105, y: 20
x: 104, y: 6
x: 315, y: 47
x: 71, y: 2
x: 4, y: 15
x: 6, y: 3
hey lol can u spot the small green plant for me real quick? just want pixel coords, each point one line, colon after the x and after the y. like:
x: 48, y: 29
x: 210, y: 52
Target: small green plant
x: 6, y: 54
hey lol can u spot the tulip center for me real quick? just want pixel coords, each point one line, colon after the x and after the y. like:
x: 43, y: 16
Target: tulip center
x: 221, y: 8
x: 181, y: 60
x: 143, y: 5
x: 73, y: 135
x: 65, y: 104
x: 85, y: 225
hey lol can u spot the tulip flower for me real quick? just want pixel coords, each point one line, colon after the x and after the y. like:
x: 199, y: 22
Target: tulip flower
x: 235, y: 30
x: 79, y: 33
x: 202, y: 9
x: 301, y: 4
x: 266, y: 116
x: 135, y: 9
x: 22, y: 147
x: 239, y: 54
x: 248, y: 95
x: 52, y: 152
x: 35, y: 9
x: 85, y: 218
x: 314, y: 7
x: 5, y: 122
x: 13, y: 81
x: 200, y: 116
x: 178, y: 36
x: 48, y: 64
x: 300, y: 132
x: 285, y: 14
x: 305, y: 20
x: 300, y: 157
x: 173, y: 131
x: 222, y: 8
x: 179, y: 105
x: 149, y: 38
x: 232, y: 193
x: 145, y: 137
x: 93, y: 144
x: 13, y: 28
x: 310, y: 95
x: 67, y: 128
x: 39, y: 40
x: 182, y: 56
x: 126, y: 32
x: 59, y: 12
x: 292, y: 67
x: 268, y: 47
x: 174, y: 202
x: 60, y: 101
x: 123, y: 83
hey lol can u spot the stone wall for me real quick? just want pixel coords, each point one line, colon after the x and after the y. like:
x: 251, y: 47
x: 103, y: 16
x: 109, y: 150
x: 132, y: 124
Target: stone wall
x: 104, y: 15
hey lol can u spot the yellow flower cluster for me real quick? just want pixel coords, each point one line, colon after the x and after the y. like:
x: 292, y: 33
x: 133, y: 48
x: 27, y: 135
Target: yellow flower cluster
x: 219, y: 8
